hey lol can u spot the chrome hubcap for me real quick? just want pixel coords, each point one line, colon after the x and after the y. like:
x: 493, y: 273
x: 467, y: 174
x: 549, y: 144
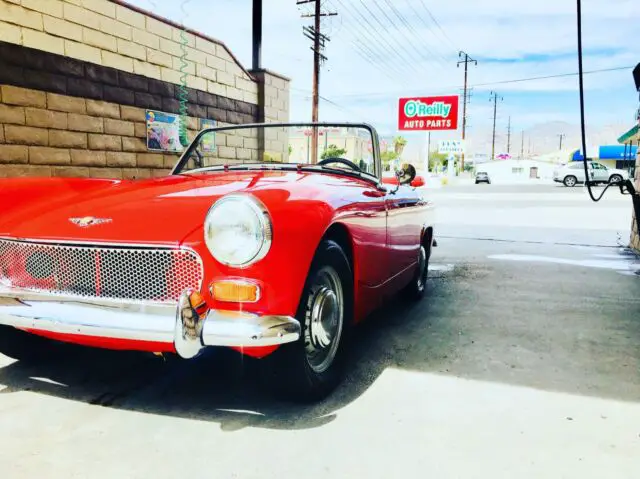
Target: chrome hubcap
x: 422, y: 268
x: 570, y: 181
x: 324, y: 319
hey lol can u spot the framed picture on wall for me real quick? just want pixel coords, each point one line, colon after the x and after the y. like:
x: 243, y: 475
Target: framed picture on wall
x: 163, y: 131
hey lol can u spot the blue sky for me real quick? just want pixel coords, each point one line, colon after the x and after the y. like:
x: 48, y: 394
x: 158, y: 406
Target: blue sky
x: 383, y: 49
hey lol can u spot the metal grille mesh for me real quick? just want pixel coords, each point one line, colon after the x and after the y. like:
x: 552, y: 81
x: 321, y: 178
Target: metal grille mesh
x: 156, y: 275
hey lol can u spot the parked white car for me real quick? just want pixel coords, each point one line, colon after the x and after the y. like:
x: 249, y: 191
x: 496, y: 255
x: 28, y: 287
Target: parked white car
x: 573, y: 173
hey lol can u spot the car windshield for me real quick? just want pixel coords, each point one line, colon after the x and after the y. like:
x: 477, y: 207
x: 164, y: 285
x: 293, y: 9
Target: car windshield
x: 282, y: 145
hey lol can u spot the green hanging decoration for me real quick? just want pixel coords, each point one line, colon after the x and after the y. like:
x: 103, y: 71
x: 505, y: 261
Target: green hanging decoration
x: 183, y: 93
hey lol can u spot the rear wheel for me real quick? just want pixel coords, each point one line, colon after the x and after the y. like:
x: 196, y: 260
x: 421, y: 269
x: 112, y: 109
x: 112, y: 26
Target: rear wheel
x: 313, y: 366
x: 416, y: 289
x: 570, y: 181
x: 615, y: 179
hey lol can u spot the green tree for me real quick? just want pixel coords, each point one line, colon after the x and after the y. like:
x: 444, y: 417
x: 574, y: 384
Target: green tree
x: 399, y: 143
x: 437, y: 160
x: 387, y: 157
x: 333, y: 151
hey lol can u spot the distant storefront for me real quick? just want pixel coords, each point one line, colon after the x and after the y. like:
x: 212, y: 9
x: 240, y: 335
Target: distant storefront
x: 613, y: 156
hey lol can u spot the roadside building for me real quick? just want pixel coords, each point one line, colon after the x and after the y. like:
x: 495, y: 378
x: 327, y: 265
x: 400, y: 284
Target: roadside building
x: 78, y: 80
x: 629, y: 139
x: 622, y: 157
x: 516, y: 171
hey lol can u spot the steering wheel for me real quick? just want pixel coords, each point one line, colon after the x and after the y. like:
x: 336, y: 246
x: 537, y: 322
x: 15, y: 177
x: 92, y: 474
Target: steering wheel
x: 348, y: 163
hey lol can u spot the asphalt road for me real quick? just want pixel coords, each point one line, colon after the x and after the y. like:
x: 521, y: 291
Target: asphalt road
x: 524, y: 361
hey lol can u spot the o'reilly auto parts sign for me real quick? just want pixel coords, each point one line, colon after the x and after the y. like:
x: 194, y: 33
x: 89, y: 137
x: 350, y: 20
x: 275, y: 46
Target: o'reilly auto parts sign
x: 428, y: 113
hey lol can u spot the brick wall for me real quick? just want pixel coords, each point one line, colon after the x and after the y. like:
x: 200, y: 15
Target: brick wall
x: 77, y: 75
x: 48, y: 134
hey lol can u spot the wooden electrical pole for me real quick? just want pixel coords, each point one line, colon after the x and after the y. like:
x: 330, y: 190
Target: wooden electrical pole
x: 495, y: 112
x: 562, y: 136
x: 466, y: 61
x: 509, y: 136
x: 522, y: 146
x: 313, y: 33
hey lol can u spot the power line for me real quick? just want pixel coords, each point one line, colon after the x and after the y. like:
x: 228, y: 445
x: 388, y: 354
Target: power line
x: 499, y: 82
x: 438, y: 25
x: 560, y: 75
x: 410, y: 27
x: 372, y: 57
x: 390, y: 51
x: 375, y: 17
x: 424, y: 22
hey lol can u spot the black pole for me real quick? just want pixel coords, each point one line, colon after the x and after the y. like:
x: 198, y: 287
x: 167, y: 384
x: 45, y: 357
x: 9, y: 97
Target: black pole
x: 257, y: 34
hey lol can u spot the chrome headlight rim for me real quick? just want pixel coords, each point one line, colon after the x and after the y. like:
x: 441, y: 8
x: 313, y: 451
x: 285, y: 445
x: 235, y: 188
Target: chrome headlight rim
x: 264, y: 219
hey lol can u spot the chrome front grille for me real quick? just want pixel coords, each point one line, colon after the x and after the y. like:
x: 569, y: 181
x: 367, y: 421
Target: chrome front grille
x: 156, y: 275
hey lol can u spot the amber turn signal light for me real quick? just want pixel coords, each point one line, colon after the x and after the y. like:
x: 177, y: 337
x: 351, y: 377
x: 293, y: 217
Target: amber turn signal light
x: 235, y: 291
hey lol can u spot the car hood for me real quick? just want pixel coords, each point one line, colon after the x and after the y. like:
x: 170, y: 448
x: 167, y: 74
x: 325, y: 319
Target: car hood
x: 154, y: 211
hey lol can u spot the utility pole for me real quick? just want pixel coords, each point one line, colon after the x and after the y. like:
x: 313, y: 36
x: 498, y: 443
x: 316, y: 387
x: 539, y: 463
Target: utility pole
x: 509, y: 136
x: 562, y: 136
x: 466, y: 61
x: 257, y: 34
x: 313, y: 33
x: 494, y: 96
x: 522, y: 147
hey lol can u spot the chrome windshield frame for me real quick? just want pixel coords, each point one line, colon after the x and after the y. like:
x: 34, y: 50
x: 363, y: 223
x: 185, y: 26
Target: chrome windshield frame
x: 377, y: 162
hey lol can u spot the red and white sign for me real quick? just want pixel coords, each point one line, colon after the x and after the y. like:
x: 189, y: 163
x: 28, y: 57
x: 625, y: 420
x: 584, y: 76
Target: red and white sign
x: 428, y: 113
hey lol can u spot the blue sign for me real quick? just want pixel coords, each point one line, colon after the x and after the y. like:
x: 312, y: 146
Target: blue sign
x: 611, y: 152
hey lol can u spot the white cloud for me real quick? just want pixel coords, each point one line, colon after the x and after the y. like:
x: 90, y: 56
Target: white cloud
x: 542, y: 32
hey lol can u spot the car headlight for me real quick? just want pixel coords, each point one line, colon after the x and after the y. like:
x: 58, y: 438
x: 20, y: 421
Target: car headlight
x: 238, y: 230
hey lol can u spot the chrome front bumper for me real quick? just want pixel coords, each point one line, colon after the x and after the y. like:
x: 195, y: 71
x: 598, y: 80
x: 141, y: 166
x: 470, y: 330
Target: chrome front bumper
x: 188, y: 328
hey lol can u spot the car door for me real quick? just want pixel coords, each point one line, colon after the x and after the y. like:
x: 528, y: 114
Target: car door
x: 404, y: 227
x: 577, y: 170
x: 600, y: 172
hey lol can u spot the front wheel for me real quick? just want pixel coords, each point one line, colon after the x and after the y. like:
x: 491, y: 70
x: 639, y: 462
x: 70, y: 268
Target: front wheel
x: 313, y: 366
x: 570, y: 181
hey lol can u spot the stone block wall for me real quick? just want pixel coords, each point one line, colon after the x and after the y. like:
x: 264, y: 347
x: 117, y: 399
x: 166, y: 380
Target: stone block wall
x: 77, y: 75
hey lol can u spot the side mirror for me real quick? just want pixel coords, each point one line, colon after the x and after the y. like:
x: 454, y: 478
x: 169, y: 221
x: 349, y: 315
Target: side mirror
x: 406, y: 174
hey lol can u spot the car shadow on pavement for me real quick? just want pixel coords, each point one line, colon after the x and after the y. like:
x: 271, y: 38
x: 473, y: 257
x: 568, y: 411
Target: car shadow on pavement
x: 482, y: 321
x: 220, y: 386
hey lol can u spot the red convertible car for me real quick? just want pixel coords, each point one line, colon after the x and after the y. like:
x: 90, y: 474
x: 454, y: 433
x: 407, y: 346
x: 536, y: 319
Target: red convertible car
x: 249, y: 243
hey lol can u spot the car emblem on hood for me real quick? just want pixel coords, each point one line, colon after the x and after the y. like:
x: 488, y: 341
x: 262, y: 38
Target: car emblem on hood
x: 89, y: 221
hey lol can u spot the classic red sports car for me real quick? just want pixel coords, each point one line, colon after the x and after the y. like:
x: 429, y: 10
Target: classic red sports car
x: 249, y: 244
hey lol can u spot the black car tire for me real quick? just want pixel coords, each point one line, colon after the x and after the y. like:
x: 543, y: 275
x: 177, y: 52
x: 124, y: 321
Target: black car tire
x: 418, y: 286
x: 615, y: 179
x: 570, y: 181
x: 290, y: 368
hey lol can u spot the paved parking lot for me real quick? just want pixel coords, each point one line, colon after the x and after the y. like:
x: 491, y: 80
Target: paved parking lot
x: 523, y: 361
